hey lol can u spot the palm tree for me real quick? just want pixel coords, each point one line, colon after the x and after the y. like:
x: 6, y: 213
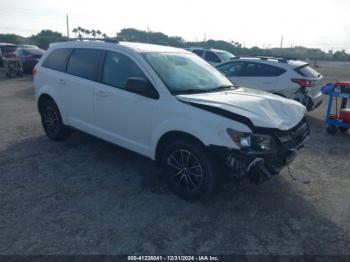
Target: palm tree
x: 79, y: 30
x: 93, y: 33
x: 104, y: 35
x: 87, y: 31
x: 75, y: 31
x: 98, y: 32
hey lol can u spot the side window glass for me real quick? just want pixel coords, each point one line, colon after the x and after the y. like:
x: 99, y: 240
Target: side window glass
x: 118, y: 68
x: 268, y: 70
x: 198, y: 52
x: 57, y: 59
x: 231, y: 69
x: 212, y: 57
x: 261, y: 70
x: 84, y: 63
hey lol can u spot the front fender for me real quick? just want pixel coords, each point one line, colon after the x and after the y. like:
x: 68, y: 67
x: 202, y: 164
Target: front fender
x: 208, y: 136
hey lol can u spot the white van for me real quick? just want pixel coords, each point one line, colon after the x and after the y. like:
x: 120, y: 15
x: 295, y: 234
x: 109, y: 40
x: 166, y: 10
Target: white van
x: 171, y: 106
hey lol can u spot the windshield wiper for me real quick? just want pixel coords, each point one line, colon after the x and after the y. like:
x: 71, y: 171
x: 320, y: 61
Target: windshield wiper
x: 200, y: 91
x: 190, y: 91
x: 222, y: 88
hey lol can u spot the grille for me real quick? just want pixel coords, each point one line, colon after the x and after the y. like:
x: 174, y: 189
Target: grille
x: 295, y: 138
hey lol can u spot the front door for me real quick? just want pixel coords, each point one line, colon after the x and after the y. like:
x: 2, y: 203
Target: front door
x: 121, y: 116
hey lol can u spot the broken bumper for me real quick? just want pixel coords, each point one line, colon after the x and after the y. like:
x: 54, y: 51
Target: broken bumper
x: 259, y: 166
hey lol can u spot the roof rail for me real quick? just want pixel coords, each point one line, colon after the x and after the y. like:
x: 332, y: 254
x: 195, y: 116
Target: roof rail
x: 279, y: 59
x: 265, y: 58
x: 107, y: 40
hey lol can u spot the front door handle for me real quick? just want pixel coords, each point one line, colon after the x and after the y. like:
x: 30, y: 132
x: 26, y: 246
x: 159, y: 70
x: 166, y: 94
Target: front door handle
x: 101, y: 93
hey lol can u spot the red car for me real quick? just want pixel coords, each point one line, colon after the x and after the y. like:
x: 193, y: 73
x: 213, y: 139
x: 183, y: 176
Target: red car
x: 6, y: 51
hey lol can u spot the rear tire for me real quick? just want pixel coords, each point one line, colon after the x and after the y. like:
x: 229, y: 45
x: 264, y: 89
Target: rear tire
x: 190, y: 171
x: 52, y: 121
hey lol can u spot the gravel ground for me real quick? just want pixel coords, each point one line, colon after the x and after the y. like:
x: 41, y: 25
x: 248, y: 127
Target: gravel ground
x: 85, y: 196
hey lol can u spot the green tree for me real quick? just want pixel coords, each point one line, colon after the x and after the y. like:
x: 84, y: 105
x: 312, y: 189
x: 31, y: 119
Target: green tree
x: 98, y: 32
x: 13, y: 39
x: 93, y: 33
x: 46, y: 37
x: 75, y: 31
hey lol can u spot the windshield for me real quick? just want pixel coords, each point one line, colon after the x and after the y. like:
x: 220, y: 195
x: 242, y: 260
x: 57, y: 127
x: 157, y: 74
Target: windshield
x: 184, y: 73
x: 225, y: 56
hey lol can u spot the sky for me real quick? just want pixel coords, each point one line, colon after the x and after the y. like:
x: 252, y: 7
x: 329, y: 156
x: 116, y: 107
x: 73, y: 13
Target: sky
x: 321, y: 24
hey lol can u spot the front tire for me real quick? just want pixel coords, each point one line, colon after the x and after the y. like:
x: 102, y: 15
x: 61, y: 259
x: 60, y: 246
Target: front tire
x: 52, y: 121
x: 190, y: 171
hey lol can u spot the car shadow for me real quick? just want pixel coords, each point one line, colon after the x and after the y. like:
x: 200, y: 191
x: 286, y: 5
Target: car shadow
x: 86, y: 196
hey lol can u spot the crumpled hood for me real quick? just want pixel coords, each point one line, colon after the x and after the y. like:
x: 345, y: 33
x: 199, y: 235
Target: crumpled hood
x: 263, y: 109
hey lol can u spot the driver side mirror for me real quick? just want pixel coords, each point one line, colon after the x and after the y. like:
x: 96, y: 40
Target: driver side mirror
x: 142, y: 87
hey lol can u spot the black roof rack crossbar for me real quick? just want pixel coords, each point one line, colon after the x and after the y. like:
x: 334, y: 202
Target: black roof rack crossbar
x: 265, y: 58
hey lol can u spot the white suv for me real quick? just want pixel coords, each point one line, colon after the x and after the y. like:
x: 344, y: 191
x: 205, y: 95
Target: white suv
x: 212, y: 56
x: 292, y: 79
x: 168, y: 105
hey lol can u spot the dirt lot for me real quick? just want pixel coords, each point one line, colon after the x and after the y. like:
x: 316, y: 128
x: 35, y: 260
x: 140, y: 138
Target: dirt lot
x: 85, y: 196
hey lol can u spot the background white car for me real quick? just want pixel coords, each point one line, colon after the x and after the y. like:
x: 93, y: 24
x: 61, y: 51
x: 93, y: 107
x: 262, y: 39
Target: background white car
x: 292, y: 79
x: 212, y: 56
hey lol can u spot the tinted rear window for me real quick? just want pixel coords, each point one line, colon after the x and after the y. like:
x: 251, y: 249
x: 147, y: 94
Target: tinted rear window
x: 8, y: 49
x: 57, y: 59
x: 84, y: 63
x: 307, y: 71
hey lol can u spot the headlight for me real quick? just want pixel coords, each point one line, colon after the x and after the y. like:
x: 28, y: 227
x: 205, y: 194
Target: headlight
x: 249, y: 140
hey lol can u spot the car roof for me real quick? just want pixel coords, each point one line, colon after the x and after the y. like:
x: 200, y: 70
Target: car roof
x: 136, y: 47
x: 28, y: 46
x: 284, y: 63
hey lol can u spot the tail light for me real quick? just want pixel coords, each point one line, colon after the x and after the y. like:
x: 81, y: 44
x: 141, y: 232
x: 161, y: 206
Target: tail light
x: 34, y: 71
x: 302, y: 82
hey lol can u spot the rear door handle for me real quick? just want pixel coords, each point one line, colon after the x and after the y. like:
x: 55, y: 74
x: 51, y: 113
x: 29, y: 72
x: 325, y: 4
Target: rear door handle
x: 101, y: 93
x: 61, y: 81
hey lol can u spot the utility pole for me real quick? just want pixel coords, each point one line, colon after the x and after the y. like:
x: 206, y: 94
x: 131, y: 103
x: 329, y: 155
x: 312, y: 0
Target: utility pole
x: 282, y: 42
x: 147, y: 34
x: 67, y: 21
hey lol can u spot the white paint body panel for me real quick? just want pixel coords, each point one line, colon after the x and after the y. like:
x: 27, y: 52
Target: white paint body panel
x: 137, y: 122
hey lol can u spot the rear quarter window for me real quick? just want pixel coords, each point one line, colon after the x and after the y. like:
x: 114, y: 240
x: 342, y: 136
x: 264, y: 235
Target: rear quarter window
x: 57, y: 59
x: 307, y: 71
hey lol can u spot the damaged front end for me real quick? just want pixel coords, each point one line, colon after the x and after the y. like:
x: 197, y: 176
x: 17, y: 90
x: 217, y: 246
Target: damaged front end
x: 264, y: 155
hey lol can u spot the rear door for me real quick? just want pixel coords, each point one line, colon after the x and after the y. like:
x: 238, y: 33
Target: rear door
x: 260, y: 76
x: 77, y: 87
